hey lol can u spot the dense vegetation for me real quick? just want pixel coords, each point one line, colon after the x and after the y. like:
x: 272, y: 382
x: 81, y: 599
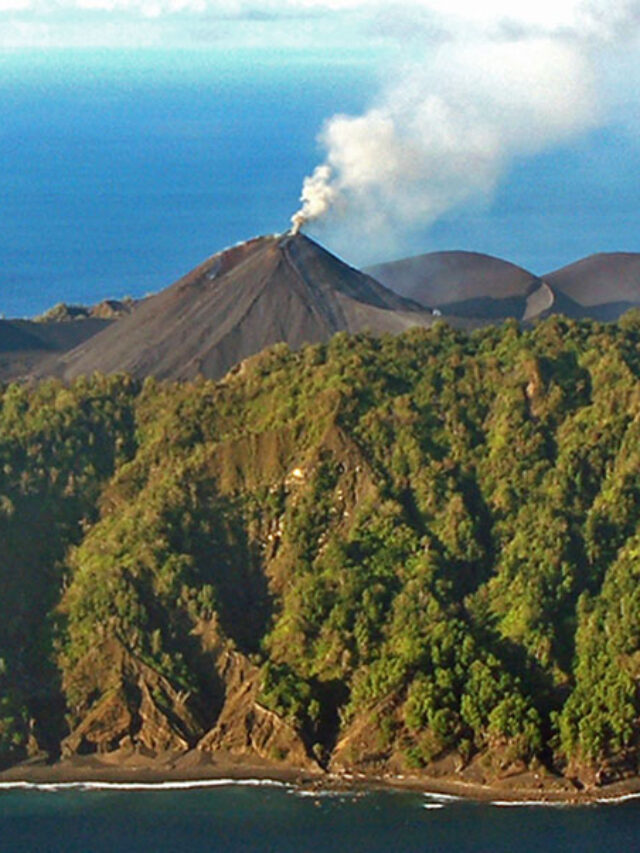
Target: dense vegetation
x: 437, y: 534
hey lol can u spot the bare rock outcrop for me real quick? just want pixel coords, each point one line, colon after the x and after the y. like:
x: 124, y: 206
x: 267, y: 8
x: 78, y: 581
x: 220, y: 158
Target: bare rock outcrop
x: 122, y: 700
x: 245, y: 727
x: 363, y: 747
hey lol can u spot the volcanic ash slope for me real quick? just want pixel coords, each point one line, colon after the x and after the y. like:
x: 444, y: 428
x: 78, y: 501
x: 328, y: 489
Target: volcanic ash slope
x: 468, y: 285
x: 269, y: 289
x: 601, y: 286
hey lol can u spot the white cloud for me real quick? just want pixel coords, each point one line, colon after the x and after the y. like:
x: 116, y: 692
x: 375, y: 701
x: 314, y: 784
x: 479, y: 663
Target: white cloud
x: 336, y: 20
x: 501, y: 84
x: 545, y: 14
x: 475, y: 85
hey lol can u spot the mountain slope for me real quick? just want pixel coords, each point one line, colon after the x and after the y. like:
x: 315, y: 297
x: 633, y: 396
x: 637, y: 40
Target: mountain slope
x: 465, y: 284
x: 602, y: 286
x: 270, y: 289
x: 404, y: 554
x: 28, y: 345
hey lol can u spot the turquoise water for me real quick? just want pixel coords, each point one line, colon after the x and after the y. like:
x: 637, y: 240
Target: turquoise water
x: 119, y: 172
x: 280, y: 819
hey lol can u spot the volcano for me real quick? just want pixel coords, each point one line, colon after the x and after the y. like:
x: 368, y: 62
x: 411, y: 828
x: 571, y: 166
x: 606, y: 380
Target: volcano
x: 601, y: 286
x: 469, y: 285
x: 269, y: 289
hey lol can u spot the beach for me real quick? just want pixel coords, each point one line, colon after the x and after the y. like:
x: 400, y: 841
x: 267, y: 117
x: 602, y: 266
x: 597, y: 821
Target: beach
x: 195, y: 769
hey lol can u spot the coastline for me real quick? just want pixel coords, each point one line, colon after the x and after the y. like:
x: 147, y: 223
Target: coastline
x: 196, y: 770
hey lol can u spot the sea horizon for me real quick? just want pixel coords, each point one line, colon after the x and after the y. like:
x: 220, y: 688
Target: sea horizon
x: 125, y: 169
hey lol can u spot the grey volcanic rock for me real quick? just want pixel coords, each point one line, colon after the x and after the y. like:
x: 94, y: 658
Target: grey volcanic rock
x: 541, y: 302
x: 270, y: 289
x: 601, y: 286
x: 466, y: 284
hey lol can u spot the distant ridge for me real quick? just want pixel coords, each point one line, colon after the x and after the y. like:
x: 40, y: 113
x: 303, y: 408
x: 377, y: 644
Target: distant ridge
x: 108, y: 309
x: 483, y: 289
x: 602, y: 286
x: 28, y: 346
x: 236, y: 303
x: 16, y: 336
x: 467, y: 285
x: 288, y: 288
x: 33, y: 346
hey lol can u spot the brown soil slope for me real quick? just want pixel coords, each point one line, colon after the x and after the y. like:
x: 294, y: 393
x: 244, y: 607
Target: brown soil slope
x: 467, y: 284
x: 602, y: 286
x: 270, y: 289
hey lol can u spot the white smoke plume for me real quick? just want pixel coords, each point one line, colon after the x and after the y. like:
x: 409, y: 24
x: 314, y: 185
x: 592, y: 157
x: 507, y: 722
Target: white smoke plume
x: 450, y: 124
x: 317, y: 197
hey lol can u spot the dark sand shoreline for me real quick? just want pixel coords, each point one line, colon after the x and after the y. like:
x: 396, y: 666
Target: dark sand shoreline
x: 195, y: 770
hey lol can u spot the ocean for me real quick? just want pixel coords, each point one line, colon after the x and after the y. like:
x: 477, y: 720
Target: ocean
x: 274, y: 817
x: 120, y: 171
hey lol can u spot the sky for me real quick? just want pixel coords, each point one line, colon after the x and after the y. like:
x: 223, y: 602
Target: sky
x: 466, y: 93
x: 301, y: 23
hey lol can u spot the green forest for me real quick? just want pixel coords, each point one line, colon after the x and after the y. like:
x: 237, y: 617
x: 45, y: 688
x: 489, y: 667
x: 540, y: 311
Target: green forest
x: 417, y: 547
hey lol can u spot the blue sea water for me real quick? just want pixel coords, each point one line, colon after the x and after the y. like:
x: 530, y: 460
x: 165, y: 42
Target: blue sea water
x: 275, y: 817
x: 120, y: 171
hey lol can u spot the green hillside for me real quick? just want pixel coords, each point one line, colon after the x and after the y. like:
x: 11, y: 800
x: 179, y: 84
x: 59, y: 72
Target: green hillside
x: 375, y: 554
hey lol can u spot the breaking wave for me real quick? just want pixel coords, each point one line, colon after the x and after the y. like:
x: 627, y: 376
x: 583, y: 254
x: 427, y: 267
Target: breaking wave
x: 177, y: 785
